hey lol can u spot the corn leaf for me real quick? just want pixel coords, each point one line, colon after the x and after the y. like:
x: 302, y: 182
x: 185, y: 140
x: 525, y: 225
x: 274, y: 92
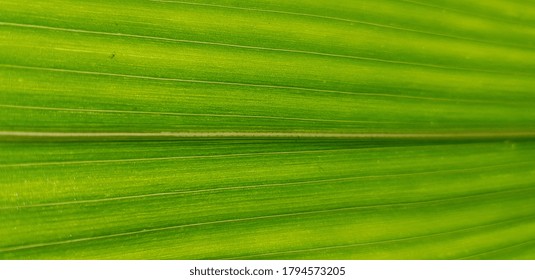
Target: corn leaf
x: 267, y: 129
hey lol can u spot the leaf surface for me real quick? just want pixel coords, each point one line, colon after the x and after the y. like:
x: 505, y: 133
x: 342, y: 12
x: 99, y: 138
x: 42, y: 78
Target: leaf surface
x: 267, y: 129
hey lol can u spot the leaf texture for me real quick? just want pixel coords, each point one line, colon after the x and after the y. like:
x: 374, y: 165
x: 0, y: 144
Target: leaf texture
x: 267, y: 129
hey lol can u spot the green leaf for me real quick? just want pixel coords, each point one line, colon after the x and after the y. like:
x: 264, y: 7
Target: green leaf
x: 267, y: 129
